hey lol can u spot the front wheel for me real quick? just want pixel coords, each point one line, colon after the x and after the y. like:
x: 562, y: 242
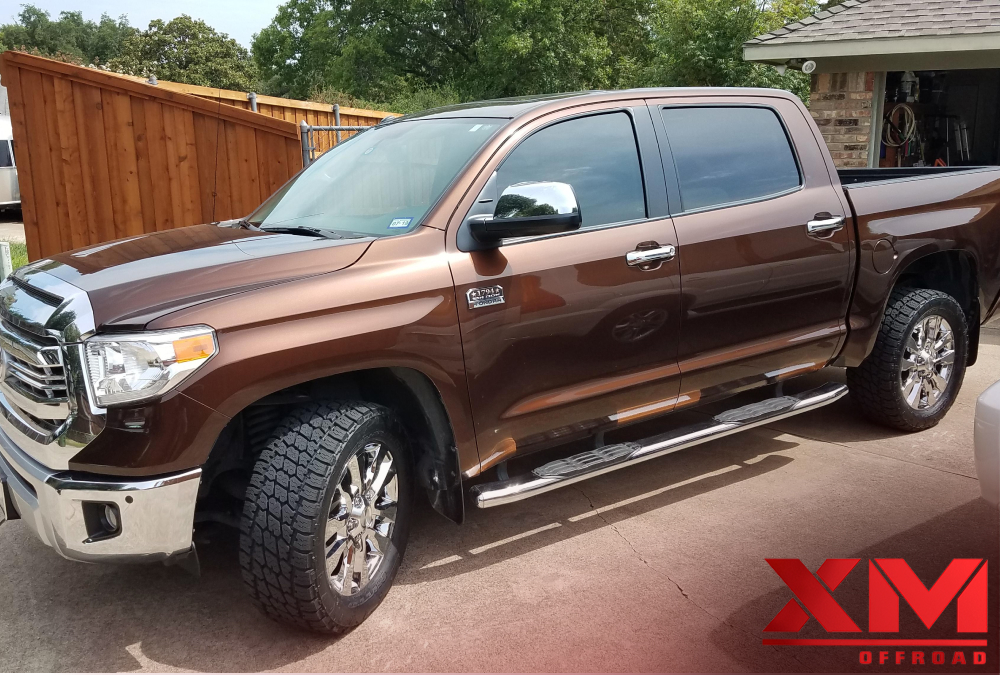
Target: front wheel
x: 327, y: 515
x: 913, y: 374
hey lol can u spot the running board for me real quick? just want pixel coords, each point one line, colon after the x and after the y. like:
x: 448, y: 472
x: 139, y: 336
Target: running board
x: 584, y: 465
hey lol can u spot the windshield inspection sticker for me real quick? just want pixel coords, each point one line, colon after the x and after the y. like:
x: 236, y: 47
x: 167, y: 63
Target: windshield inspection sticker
x: 400, y: 222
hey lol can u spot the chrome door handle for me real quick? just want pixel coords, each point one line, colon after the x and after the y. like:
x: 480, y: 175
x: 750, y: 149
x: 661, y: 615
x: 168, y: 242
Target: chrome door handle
x: 650, y: 255
x: 825, y: 225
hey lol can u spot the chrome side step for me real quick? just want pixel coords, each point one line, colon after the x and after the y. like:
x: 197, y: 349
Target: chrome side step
x: 584, y: 465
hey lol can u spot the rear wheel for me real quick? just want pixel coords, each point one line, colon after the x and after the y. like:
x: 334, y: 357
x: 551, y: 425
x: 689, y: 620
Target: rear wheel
x: 913, y: 374
x: 327, y: 516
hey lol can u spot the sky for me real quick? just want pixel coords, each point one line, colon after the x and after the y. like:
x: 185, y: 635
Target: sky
x: 239, y: 18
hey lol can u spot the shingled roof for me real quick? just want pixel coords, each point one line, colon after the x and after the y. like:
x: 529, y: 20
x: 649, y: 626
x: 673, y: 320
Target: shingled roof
x: 880, y: 19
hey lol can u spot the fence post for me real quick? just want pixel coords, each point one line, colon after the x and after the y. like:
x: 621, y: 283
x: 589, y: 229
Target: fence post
x: 304, y: 135
x: 6, y: 265
x: 336, y: 119
x: 252, y: 97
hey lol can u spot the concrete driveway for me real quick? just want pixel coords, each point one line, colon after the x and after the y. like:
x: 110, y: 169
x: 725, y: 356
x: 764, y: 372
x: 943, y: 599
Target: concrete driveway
x: 659, y: 567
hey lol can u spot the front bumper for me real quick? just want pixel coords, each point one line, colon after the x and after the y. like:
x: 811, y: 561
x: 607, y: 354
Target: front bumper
x: 156, y: 515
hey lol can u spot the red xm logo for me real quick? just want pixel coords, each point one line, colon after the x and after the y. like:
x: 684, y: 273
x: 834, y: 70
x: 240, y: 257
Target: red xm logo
x: 888, y: 580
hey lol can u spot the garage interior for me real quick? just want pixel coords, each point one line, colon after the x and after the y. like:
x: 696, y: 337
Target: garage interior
x: 940, y: 118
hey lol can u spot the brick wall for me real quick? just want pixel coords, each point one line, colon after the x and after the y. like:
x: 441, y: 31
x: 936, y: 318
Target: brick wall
x: 841, y: 104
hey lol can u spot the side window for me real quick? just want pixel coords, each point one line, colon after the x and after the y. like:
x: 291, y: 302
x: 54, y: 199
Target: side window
x: 597, y: 155
x: 729, y: 154
x: 6, y: 156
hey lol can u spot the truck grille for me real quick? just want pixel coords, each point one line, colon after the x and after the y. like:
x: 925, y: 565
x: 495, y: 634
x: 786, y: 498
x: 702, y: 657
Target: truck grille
x: 39, y: 374
x: 33, y: 379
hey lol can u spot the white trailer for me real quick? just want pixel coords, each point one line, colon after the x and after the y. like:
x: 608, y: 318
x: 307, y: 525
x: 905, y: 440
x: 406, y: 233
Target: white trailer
x: 10, y: 194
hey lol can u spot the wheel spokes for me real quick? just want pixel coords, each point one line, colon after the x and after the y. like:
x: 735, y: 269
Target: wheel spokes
x: 911, y: 389
x: 930, y: 392
x: 384, y: 470
x: 352, y: 482
x: 359, y: 565
x: 361, y: 519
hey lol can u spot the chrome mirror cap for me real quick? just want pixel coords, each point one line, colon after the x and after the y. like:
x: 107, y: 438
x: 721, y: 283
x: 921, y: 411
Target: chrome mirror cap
x: 530, y: 200
x: 530, y: 209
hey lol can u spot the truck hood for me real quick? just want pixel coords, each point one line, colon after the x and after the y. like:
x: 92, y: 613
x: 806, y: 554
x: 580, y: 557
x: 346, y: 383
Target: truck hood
x: 133, y: 281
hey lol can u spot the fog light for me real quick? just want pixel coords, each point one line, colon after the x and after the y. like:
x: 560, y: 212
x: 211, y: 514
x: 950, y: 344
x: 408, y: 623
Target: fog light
x: 103, y: 520
x: 111, y: 518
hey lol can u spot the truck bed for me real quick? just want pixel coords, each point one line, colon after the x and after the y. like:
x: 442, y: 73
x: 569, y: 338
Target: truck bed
x: 879, y: 175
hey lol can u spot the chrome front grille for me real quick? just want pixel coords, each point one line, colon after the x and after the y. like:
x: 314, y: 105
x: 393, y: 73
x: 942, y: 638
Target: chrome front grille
x: 33, y: 378
x: 44, y: 407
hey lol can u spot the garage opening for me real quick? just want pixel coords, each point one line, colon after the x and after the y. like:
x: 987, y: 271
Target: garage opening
x: 941, y: 118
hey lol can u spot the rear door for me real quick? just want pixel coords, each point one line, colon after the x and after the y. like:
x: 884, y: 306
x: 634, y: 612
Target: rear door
x: 573, y: 338
x: 765, y: 247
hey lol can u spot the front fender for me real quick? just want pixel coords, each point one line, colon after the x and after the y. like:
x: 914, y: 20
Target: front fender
x: 395, y: 308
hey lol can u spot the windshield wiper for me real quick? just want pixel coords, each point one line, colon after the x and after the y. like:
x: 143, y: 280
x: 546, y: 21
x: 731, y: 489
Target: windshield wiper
x: 304, y: 231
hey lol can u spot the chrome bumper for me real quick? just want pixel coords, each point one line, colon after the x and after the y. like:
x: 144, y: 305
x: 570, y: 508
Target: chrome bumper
x: 156, y: 516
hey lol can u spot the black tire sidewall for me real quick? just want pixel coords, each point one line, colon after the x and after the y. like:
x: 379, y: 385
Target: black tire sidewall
x: 352, y: 610
x: 950, y: 310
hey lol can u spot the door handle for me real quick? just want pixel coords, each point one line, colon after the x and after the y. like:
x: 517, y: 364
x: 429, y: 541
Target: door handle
x: 650, y: 255
x: 825, y: 224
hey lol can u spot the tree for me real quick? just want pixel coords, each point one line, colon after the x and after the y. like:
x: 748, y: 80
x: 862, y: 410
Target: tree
x: 375, y: 49
x: 190, y: 51
x: 397, y: 54
x: 295, y: 52
x: 70, y: 36
x: 700, y: 43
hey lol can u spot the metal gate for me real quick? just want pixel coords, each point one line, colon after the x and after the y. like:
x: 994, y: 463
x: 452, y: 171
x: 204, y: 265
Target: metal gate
x: 314, y: 144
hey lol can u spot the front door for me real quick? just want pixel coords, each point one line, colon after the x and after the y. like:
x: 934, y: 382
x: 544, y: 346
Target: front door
x: 765, y: 249
x: 562, y: 336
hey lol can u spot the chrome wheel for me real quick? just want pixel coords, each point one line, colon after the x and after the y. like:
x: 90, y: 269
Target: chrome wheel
x: 361, y: 519
x: 928, y: 362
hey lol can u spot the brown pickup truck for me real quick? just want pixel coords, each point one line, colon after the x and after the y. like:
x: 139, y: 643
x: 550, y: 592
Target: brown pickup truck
x: 455, y: 288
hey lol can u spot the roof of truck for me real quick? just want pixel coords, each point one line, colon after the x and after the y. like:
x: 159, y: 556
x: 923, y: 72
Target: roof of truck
x: 509, y: 108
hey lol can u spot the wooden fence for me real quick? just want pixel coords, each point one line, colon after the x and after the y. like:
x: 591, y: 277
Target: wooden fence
x: 314, y: 114
x: 101, y: 156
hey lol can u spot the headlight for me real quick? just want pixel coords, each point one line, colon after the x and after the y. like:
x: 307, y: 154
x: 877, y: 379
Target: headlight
x: 141, y: 366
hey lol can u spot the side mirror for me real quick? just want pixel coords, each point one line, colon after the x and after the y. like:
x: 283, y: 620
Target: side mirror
x: 530, y: 210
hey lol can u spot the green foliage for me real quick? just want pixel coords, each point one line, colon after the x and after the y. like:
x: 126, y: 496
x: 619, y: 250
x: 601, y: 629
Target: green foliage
x: 398, y: 54
x: 190, y: 51
x: 295, y: 52
x: 18, y: 254
x: 700, y: 43
x: 404, y: 99
x: 375, y: 49
x: 69, y: 36
x: 181, y: 50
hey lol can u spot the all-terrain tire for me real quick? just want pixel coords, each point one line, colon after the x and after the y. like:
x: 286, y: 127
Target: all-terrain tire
x: 876, y: 385
x: 283, y: 529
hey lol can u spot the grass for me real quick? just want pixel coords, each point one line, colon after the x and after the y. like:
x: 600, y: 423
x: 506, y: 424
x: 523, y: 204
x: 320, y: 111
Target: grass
x: 18, y: 254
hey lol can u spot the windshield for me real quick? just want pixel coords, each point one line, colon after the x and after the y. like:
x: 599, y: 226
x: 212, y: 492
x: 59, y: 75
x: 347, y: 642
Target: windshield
x: 380, y: 182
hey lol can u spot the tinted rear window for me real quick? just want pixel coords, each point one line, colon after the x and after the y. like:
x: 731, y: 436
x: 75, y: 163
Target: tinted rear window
x: 729, y: 154
x: 6, y: 156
